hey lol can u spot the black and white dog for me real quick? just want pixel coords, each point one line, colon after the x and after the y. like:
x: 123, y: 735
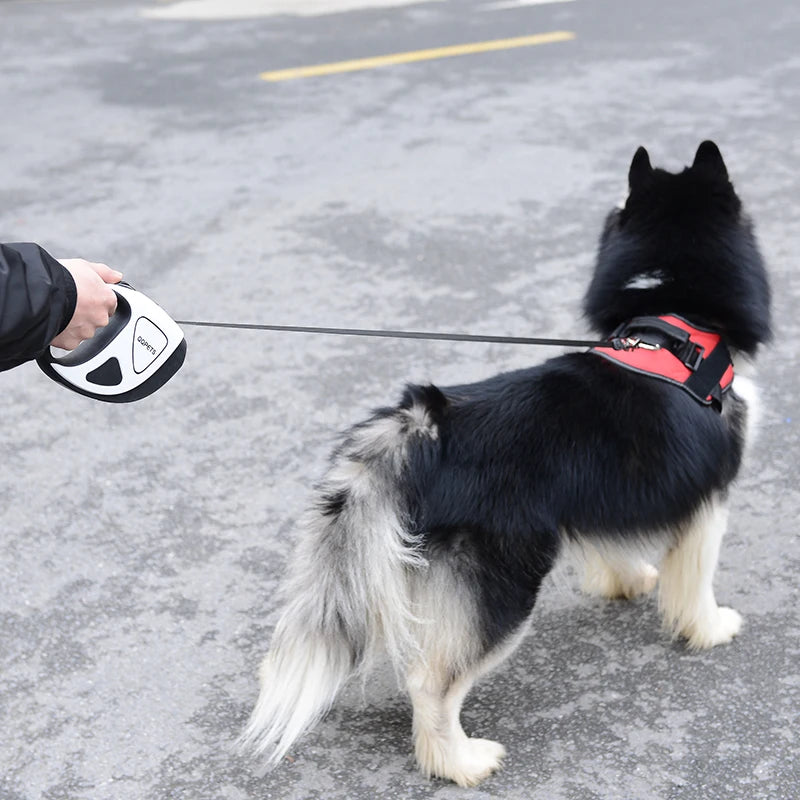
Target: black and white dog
x: 438, y: 519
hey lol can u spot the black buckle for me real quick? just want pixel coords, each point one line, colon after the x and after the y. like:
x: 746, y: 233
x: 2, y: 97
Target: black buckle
x: 692, y: 355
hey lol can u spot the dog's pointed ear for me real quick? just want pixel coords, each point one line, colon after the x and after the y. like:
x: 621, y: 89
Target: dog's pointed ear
x: 641, y: 171
x: 709, y: 159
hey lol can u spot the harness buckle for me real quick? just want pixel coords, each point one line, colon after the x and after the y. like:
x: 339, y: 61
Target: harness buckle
x: 692, y: 356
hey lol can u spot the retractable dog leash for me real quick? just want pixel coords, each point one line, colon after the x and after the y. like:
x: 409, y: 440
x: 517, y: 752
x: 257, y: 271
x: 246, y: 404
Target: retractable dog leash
x: 142, y: 347
x: 139, y: 350
x: 388, y: 334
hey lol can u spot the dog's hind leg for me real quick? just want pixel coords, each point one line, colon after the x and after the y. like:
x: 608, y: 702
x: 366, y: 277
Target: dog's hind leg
x: 450, y: 658
x: 454, y: 651
x: 440, y: 744
x: 612, y: 573
x: 686, y: 594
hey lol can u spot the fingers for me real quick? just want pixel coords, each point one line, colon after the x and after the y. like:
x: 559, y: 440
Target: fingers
x: 110, y: 301
x: 66, y: 341
x: 96, y: 300
x: 105, y: 272
x: 108, y: 274
x: 80, y: 329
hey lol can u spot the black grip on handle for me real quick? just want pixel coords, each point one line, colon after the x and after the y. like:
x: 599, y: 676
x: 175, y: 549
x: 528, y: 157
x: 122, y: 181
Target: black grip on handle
x: 89, y: 348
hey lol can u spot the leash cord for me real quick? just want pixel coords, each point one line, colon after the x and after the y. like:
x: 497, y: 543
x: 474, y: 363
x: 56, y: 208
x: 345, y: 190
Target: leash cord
x: 450, y: 337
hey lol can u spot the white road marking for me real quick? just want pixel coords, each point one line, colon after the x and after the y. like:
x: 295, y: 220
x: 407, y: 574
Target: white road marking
x: 247, y: 9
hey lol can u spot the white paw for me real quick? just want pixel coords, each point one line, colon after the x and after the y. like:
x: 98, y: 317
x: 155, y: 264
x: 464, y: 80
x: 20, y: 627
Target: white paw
x: 466, y: 762
x: 478, y: 759
x: 720, y: 628
x: 606, y: 582
x: 643, y: 582
x: 601, y: 581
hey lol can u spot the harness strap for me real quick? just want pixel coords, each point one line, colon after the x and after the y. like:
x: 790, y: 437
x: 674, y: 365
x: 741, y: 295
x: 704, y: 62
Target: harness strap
x: 710, y: 372
x: 671, y: 349
x: 657, y: 324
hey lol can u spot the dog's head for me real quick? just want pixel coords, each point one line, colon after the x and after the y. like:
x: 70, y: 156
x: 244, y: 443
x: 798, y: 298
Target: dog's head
x: 683, y: 245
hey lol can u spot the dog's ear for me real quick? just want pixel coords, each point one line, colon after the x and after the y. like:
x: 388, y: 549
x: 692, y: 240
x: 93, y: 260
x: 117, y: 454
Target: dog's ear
x: 641, y: 171
x: 709, y: 159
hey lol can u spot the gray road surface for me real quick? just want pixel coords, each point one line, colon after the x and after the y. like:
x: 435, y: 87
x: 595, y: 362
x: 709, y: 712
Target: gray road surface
x: 140, y: 546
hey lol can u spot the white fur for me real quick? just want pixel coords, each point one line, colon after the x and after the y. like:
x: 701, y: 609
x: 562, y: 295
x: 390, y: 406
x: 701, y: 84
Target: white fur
x: 349, y: 569
x: 440, y: 744
x: 420, y: 612
x: 614, y: 572
x: 419, y: 421
x: 447, y: 645
x: 686, y: 595
x: 744, y: 387
x: 645, y: 280
x: 299, y: 682
x: 441, y: 747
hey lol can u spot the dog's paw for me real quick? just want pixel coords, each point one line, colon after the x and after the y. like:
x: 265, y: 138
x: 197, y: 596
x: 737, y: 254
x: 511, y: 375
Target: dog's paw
x: 477, y: 760
x: 605, y: 581
x: 467, y: 762
x: 719, y: 628
x: 643, y: 582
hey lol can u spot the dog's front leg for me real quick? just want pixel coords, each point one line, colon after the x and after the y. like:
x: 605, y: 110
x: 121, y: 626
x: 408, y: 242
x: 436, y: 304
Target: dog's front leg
x: 614, y: 573
x: 686, y: 594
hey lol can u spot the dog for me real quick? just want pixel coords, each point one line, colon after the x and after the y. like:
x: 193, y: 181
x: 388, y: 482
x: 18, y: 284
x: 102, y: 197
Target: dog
x: 430, y: 535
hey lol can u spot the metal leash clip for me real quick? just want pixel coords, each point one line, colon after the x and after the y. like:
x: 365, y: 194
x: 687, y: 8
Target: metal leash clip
x: 634, y: 343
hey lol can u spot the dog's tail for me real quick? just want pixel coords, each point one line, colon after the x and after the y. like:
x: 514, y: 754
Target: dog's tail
x: 348, y: 589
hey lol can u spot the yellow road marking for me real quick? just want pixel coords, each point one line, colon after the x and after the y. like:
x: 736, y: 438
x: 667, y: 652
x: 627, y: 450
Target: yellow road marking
x: 417, y: 55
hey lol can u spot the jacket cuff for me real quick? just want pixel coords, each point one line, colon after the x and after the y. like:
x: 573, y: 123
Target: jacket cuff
x: 70, y: 298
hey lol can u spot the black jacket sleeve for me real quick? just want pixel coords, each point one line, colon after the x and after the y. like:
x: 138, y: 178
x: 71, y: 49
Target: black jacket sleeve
x: 37, y: 301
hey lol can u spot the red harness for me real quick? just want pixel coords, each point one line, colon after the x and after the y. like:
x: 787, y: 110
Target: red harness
x: 671, y: 349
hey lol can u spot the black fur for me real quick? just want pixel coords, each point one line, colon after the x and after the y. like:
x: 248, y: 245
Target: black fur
x: 331, y: 505
x: 439, y: 517
x: 577, y: 444
x: 690, y: 230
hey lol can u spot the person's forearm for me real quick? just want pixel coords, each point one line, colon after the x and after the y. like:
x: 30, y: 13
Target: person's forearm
x: 38, y: 297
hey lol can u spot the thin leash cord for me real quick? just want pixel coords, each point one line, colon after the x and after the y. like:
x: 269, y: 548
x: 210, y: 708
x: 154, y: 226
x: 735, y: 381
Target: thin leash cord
x: 450, y: 337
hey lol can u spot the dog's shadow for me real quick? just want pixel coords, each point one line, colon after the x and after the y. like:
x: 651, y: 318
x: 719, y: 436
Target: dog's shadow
x: 584, y: 668
x: 595, y: 648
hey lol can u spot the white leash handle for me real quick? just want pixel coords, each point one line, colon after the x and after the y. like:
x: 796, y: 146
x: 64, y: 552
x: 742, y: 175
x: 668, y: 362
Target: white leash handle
x: 139, y: 350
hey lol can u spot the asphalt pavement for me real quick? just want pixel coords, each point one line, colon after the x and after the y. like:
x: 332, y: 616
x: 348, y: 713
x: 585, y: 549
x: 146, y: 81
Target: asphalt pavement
x: 141, y: 545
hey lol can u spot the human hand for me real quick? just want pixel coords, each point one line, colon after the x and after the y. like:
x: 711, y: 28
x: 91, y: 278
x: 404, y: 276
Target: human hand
x: 96, y: 301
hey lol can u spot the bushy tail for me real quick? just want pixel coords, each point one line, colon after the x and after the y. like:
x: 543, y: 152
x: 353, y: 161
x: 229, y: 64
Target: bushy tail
x: 348, y: 590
